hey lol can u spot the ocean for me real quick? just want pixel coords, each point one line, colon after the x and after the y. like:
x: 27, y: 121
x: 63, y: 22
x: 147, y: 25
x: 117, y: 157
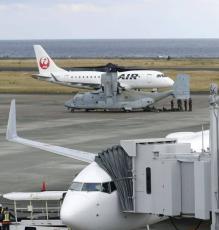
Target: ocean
x: 113, y: 48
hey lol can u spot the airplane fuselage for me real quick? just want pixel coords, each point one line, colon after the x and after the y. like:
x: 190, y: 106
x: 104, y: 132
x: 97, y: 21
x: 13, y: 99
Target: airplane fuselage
x: 127, y: 80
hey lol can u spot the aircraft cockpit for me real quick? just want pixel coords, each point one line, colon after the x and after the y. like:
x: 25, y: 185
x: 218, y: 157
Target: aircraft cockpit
x: 107, y: 187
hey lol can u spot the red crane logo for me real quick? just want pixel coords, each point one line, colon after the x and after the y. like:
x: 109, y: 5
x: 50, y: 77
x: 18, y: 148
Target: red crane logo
x: 44, y: 62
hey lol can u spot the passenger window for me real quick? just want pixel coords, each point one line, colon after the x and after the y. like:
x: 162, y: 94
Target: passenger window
x: 105, y: 188
x: 112, y: 186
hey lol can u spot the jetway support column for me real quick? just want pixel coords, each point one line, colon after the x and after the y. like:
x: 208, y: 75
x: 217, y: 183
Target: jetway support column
x: 214, y: 149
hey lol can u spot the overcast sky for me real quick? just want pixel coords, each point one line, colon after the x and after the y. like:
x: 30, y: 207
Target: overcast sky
x: 75, y: 19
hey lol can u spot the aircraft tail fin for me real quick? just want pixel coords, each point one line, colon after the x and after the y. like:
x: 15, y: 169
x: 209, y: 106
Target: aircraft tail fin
x: 45, y: 64
x: 181, y: 87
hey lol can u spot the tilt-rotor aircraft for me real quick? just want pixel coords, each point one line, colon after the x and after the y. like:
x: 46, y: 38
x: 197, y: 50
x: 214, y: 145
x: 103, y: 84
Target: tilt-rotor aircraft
x: 90, y: 77
x: 92, y: 200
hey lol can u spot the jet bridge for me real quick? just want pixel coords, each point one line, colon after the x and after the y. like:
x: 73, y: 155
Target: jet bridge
x: 168, y: 179
x: 163, y: 177
x: 160, y: 176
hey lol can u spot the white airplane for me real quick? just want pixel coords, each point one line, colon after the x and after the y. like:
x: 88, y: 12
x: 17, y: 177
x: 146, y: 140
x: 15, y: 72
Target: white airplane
x: 128, y: 79
x: 199, y: 140
x: 92, y: 202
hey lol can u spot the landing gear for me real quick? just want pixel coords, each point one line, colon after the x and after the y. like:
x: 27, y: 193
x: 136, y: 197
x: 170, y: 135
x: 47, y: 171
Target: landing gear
x: 127, y: 110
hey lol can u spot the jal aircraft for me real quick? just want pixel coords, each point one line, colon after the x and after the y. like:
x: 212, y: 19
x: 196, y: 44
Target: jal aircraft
x: 92, y: 202
x: 130, y: 79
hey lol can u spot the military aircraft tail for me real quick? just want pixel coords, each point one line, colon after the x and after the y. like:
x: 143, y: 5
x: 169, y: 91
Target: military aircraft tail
x: 181, y: 87
x: 45, y: 64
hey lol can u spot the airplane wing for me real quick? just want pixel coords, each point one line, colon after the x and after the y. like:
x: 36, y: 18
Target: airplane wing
x: 199, y: 140
x: 11, y: 135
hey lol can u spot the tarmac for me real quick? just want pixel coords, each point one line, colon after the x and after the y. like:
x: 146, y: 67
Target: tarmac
x: 44, y: 118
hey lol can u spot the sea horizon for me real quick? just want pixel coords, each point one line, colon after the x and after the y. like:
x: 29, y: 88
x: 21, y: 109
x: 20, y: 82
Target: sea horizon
x: 113, y: 48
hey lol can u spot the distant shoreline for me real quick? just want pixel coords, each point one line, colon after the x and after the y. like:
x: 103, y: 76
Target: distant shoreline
x: 15, y: 74
x: 112, y: 48
x: 112, y: 58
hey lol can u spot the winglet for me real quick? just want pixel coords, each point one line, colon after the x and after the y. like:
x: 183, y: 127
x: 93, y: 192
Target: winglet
x: 11, y: 129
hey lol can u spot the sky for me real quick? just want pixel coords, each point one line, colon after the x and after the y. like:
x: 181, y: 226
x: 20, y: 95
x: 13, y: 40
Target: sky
x: 105, y: 19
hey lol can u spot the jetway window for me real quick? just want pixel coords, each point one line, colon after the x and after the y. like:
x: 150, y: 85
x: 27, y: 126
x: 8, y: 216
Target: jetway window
x: 148, y: 180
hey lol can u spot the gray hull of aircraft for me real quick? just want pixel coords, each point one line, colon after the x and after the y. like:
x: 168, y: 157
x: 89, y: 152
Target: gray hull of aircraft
x: 126, y: 100
x: 112, y: 97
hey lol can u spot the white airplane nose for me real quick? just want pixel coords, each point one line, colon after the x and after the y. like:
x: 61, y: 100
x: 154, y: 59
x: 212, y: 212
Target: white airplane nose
x: 71, y: 209
x: 76, y: 209
x: 170, y: 82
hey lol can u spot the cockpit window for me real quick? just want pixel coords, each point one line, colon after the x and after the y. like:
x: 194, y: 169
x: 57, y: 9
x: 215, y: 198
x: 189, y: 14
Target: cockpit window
x: 107, y: 187
x: 112, y: 186
x: 161, y: 75
x: 91, y: 187
x: 76, y: 186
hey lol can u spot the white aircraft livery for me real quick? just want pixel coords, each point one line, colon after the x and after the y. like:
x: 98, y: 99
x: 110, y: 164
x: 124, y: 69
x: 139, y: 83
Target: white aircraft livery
x: 128, y: 79
x: 92, y: 203
x: 199, y: 140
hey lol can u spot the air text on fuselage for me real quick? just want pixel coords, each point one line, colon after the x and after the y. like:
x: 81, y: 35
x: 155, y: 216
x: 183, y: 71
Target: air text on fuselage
x: 128, y: 76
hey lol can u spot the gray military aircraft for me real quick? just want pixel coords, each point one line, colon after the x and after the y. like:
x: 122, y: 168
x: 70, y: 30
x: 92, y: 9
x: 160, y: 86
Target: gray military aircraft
x: 112, y: 97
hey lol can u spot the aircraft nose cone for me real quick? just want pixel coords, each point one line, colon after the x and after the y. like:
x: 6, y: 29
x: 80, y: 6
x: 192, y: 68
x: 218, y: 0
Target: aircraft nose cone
x: 66, y: 216
x: 70, y: 211
x: 76, y: 209
x: 170, y: 81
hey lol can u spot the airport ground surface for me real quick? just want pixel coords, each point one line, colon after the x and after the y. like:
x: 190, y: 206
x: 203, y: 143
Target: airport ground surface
x: 43, y: 118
